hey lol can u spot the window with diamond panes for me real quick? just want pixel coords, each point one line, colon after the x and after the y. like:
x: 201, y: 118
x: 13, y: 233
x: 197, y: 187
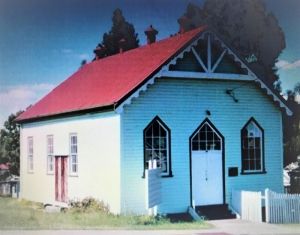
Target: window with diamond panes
x: 252, y: 151
x: 156, y: 146
x: 206, y: 139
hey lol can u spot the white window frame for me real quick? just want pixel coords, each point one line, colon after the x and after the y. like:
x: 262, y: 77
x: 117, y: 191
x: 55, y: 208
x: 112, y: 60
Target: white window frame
x: 73, y: 155
x: 168, y: 172
x: 50, y: 154
x: 196, y: 138
x: 30, y: 166
x: 256, y: 132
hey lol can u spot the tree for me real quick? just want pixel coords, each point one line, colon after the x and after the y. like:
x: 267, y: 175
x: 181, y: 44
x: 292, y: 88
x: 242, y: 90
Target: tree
x: 246, y: 26
x: 83, y: 62
x: 291, y: 128
x: 122, y: 35
x: 10, y: 144
x: 297, y: 88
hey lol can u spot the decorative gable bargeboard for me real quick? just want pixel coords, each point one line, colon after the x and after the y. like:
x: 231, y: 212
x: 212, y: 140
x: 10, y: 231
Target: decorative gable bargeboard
x: 207, y: 57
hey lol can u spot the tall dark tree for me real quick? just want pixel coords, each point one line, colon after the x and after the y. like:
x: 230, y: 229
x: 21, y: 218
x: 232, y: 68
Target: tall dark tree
x: 292, y: 127
x: 10, y: 144
x: 246, y: 26
x: 122, y: 35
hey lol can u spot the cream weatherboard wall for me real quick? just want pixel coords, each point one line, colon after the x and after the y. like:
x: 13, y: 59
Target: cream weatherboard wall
x: 98, y: 158
x: 181, y: 104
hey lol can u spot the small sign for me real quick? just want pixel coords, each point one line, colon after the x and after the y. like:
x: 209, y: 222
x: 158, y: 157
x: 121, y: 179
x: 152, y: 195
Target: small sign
x: 233, y: 171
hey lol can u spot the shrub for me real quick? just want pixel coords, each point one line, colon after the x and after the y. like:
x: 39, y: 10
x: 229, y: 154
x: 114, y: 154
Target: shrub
x: 89, y: 204
x: 150, y: 220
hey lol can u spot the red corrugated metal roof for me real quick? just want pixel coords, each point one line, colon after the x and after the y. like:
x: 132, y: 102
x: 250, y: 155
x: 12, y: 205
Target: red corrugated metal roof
x: 106, y: 81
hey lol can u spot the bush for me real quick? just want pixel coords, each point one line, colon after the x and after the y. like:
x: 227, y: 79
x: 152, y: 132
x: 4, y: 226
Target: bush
x: 149, y: 220
x: 89, y: 204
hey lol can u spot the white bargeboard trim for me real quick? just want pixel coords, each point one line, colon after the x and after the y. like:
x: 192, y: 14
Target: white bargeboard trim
x: 208, y: 74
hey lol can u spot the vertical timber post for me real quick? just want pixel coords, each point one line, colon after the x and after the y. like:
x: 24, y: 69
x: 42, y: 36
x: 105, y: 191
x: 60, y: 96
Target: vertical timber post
x: 267, y: 205
x: 209, y: 53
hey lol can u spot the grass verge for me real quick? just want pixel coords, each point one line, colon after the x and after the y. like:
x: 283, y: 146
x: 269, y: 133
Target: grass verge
x: 16, y: 214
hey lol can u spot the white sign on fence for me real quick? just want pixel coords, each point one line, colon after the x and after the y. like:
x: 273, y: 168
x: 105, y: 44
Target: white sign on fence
x: 153, y: 187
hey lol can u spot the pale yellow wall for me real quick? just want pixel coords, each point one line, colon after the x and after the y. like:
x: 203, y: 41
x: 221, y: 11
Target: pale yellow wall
x: 98, y: 158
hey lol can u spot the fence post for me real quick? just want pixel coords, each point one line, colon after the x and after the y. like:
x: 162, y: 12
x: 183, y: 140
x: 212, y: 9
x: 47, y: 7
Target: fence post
x: 147, y: 191
x: 267, y: 205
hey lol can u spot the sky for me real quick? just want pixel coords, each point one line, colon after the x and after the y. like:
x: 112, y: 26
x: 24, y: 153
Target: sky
x: 42, y: 42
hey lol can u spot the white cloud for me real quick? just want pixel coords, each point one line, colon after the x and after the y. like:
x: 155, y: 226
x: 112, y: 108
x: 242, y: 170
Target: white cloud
x: 84, y: 56
x: 15, y: 98
x: 284, y: 64
x: 69, y: 52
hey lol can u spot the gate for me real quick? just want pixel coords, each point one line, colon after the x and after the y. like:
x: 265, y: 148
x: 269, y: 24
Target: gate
x: 247, y: 204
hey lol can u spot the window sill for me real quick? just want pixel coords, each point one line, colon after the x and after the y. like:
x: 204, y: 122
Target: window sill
x: 73, y: 175
x: 50, y: 173
x: 253, y: 173
x: 30, y: 172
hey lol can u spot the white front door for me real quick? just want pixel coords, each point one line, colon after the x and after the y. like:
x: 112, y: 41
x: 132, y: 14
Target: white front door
x: 207, y: 166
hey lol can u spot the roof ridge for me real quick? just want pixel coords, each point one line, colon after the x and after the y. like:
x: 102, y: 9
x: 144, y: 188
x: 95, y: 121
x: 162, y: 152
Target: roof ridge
x: 144, y: 46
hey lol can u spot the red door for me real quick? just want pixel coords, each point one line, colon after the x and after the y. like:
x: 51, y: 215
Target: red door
x: 61, y: 183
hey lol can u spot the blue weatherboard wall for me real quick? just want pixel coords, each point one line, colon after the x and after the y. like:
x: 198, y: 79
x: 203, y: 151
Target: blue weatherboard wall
x: 181, y: 104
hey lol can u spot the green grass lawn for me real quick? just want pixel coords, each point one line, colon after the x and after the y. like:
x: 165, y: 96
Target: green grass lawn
x: 19, y: 214
x: 296, y: 227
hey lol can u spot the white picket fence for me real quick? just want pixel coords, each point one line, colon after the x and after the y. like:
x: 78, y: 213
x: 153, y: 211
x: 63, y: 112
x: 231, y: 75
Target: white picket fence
x: 247, y: 204
x: 282, y: 208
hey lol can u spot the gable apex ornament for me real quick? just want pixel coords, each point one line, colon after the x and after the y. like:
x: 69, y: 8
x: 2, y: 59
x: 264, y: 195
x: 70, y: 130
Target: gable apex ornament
x: 251, y: 58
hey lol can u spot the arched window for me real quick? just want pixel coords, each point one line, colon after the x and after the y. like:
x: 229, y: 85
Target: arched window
x: 252, y: 137
x: 206, y: 138
x: 157, y: 145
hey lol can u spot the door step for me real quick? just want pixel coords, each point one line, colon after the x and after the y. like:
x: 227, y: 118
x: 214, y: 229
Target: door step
x: 215, y: 212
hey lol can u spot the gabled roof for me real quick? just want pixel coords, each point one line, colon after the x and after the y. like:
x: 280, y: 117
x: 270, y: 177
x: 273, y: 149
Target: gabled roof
x: 113, y: 81
x: 107, y: 81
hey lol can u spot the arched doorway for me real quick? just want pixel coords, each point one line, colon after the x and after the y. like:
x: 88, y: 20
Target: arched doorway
x: 207, y: 165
